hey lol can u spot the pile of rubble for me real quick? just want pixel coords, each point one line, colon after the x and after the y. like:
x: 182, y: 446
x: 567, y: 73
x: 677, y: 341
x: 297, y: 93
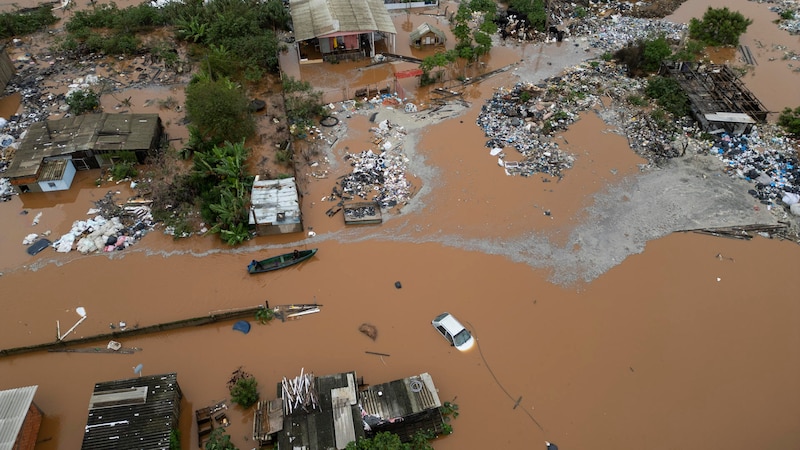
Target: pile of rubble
x: 113, y: 228
x: 610, y: 33
x: 377, y: 176
x: 771, y: 164
x: 526, y: 116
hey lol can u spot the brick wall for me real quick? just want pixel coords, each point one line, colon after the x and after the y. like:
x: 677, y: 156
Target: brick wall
x: 26, y: 439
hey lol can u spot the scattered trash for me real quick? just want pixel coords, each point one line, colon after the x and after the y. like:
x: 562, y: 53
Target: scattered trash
x: 138, y: 369
x: 37, y: 218
x: 369, y: 330
x: 114, y: 345
x: 398, y: 285
x: 29, y: 239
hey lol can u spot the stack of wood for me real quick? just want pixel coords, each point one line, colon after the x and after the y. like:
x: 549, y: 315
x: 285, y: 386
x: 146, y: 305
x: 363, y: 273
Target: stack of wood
x: 300, y: 392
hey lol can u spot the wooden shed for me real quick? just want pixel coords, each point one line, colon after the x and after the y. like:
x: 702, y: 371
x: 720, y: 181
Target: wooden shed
x: 20, y: 418
x: 427, y: 34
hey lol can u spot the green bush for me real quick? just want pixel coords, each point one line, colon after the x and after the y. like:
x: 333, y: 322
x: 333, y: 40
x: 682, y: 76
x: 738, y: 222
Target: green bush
x: 789, y: 120
x: 719, y: 27
x: 219, y: 109
x: 123, y: 170
x: 18, y: 24
x: 81, y: 101
x: 669, y: 95
x: 219, y: 440
x: 243, y: 388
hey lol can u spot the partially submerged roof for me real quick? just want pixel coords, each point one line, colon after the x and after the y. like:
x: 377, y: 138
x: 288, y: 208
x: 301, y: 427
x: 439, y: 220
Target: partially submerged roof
x: 14, y: 405
x: 328, y: 415
x: 329, y: 18
x: 729, y: 117
x: 274, y: 202
x: 424, y: 29
x: 134, y: 413
x: 101, y: 133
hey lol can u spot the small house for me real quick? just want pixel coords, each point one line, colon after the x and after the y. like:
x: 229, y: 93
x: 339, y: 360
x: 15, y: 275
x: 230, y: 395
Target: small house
x: 20, y: 419
x: 342, y: 29
x: 140, y: 412
x: 53, y: 150
x: 275, y: 207
x: 427, y: 35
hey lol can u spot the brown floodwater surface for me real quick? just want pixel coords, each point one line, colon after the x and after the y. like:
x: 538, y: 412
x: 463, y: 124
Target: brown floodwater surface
x: 690, y: 344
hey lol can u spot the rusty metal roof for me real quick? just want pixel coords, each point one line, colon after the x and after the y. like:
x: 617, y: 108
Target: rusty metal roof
x: 95, y: 132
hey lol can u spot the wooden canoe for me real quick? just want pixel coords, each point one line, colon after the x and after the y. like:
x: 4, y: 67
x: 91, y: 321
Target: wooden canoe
x: 280, y: 261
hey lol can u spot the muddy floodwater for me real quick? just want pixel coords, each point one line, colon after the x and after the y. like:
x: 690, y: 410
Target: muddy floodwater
x: 689, y: 343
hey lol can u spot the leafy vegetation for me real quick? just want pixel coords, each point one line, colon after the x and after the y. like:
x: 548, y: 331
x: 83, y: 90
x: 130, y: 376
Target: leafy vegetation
x: 82, y: 100
x: 265, y: 315
x: 219, y: 440
x: 219, y: 109
x: 302, y: 103
x: 690, y: 51
x: 21, y: 23
x: 175, y: 439
x: 644, y: 56
x: 669, y: 95
x: 534, y: 10
x: 789, y: 120
x: 719, y: 27
x: 243, y: 388
x: 220, y: 178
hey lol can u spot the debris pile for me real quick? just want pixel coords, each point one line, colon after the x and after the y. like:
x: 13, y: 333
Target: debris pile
x: 524, y: 118
x: 125, y: 226
x: 6, y: 191
x: 610, y: 33
x: 771, y: 164
x: 378, y: 177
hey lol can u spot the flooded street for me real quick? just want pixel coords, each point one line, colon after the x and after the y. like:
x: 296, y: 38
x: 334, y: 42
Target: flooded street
x: 689, y: 342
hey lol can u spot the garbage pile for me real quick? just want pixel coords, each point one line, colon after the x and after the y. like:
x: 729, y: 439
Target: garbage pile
x: 772, y: 165
x: 6, y: 191
x: 125, y: 226
x: 380, y: 176
x: 611, y: 33
x: 788, y: 8
x: 526, y: 116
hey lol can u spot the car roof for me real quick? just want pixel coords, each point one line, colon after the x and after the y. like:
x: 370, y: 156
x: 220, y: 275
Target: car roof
x: 450, y: 323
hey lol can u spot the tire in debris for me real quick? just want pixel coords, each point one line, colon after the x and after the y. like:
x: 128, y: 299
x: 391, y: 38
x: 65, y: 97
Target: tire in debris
x: 329, y: 121
x: 257, y: 105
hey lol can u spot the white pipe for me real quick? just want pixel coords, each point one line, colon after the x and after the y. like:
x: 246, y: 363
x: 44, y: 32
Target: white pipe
x: 61, y: 338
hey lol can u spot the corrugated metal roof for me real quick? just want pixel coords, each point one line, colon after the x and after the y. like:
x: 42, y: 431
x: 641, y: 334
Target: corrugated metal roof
x: 14, y: 404
x: 424, y: 29
x: 315, y: 18
x: 272, y: 200
x: 96, y: 132
x: 729, y: 117
x: 122, y: 416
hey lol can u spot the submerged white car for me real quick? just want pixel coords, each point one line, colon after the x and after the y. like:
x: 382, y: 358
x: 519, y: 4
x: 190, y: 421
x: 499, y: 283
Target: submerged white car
x: 452, y: 330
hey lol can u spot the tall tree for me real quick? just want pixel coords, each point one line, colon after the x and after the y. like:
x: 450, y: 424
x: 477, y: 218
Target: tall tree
x: 719, y: 27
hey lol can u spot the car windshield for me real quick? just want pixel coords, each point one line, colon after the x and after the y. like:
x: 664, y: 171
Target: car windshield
x: 462, y: 337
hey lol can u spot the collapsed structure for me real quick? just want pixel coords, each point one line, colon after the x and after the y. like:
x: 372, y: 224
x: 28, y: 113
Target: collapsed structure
x: 719, y: 100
